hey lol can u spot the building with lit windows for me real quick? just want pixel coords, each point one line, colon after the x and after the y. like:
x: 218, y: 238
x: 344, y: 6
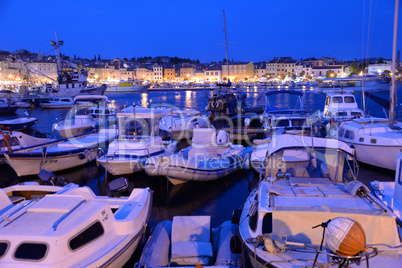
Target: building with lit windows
x: 238, y: 71
x: 187, y: 72
x: 281, y: 67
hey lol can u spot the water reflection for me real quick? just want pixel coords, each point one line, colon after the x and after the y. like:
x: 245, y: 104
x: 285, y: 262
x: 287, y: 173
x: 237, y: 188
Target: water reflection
x: 144, y: 100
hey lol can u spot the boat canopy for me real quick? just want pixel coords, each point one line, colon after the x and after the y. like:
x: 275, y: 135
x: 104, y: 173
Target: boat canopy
x: 292, y: 141
x: 298, y: 93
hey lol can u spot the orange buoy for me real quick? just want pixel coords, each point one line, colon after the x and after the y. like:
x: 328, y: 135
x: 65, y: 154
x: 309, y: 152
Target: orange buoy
x: 345, y: 237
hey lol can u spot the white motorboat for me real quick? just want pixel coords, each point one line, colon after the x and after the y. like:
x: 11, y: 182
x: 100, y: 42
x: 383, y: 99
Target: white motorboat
x: 180, y: 124
x: 136, y: 142
x: 341, y: 105
x: 375, y: 142
x: 259, y: 153
x: 128, y: 86
x: 309, y: 183
x: 10, y: 141
x: 189, y: 241
x: 293, y: 120
x: 51, y: 226
x: 390, y: 192
x: 59, y: 155
x: 58, y: 103
x: 80, y: 118
x: 18, y: 123
x: 210, y: 157
x: 7, y: 106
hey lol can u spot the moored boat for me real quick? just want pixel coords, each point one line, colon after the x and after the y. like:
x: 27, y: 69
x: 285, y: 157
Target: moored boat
x: 70, y: 226
x: 210, y: 157
x: 59, y: 155
x: 137, y: 141
x: 58, y: 103
x: 189, y: 241
x: 128, y: 86
x: 18, y: 123
x: 311, y: 183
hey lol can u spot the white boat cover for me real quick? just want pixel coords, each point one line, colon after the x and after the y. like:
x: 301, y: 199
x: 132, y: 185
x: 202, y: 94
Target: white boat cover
x: 90, y: 98
x: 288, y: 141
x: 191, y: 240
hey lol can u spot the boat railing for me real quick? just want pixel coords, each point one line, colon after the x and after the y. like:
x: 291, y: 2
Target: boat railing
x: 57, y: 222
x: 18, y: 209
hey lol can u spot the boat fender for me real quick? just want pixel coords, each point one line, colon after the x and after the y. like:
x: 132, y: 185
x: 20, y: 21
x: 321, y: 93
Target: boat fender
x: 235, y: 244
x: 236, y: 214
x: 81, y: 156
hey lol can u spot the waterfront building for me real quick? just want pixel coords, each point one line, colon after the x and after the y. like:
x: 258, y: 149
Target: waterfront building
x: 187, y: 71
x: 238, y: 70
x: 260, y: 69
x: 157, y: 73
x: 322, y: 71
x: 281, y: 67
x: 144, y: 72
x: 169, y: 73
x: 213, y: 73
x: 379, y: 68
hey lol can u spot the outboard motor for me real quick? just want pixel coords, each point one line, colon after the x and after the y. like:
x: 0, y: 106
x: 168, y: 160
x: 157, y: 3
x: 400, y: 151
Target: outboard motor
x: 117, y: 186
x: 50, y: 178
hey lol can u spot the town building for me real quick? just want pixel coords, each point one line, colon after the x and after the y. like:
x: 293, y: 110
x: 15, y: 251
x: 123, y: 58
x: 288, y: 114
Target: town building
x: 187, y: 71
x: 213, y: 73
x: 238, y: 70
x: 158, y: 73
x: 281, y: 67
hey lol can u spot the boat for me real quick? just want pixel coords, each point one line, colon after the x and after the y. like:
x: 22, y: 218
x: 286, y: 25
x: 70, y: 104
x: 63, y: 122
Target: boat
x: 58, y: 103
x: 377, y: 141
x: 7, y: 106
x: 211, y: 156
x: 189, y: 241
x: 226, y: 101
x: 341, y: 105
x: 15, y: 140
x: 180, y: 124
x: 70, y: 226
x: 80, y: 118
x: 20, y: 123
x: 128, y: 86
x: 137, y: 141
x: 390, y: 192
x: 308, y: 210
x: 294, y: 120
x: 259, y: 153
x: 60, y: 154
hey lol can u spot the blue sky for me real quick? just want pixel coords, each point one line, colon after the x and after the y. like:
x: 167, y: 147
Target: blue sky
x: 257, y: 30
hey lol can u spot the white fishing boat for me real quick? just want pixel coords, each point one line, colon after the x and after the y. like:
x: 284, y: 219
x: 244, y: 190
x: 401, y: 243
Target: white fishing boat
x: 390, y: 192
x: 51, y: 226
x: 58, y: 103
x: 180, y: 123
x: 294, y: 120
x: 59, y: 155
x: 210, y: 157
x: 311, y: 183
x: 128, y: 86
x: 15, y: 140
x: 137, y: 141
x: 80, y: 118
x: 189, y: 241
x: 259, y: 153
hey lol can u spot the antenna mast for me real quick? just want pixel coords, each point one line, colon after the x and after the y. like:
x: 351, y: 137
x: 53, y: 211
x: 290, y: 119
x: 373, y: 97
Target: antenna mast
x: 57, y: 44
x: 226, y: 44
x: 393, y: 91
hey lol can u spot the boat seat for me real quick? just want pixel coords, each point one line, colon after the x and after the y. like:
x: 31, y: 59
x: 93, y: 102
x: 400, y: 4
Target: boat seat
x: 191, y: 240
x: 301, y: 172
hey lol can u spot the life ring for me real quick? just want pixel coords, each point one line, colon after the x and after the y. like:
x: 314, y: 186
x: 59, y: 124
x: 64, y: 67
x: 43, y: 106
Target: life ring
x: 215, y: 104
x: 49, y: 90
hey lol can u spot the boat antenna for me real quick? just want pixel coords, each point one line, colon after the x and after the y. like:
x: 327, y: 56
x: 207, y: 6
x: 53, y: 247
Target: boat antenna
x: 226, y: 44
x: 135, y: 122
x: 57, y: 44
x: 393, y: 91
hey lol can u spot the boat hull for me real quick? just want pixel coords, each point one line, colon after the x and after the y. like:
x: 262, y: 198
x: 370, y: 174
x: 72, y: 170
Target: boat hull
x: 25, y: 165
x: 379, y: 156
x: 127, y: 89
x: 18, y: 124
x: 120, y: 167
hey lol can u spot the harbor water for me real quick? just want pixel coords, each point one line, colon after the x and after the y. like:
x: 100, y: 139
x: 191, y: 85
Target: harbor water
x: 217, y: 198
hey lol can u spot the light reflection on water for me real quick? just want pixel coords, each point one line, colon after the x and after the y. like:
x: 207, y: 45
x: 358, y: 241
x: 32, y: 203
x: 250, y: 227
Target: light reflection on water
x: 217, y: 198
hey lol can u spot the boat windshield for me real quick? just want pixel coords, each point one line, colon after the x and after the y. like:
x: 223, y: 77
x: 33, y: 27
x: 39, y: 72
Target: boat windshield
x: 332, y: 164
x: 130, y: 128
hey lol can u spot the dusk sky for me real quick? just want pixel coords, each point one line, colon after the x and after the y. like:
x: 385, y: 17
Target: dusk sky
x: 257, y: 30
